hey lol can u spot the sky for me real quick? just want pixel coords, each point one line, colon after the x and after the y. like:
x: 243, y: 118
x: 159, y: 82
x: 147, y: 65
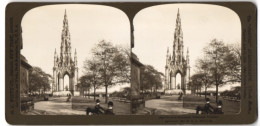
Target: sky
x: 154, y: 31
x: 88, y: 24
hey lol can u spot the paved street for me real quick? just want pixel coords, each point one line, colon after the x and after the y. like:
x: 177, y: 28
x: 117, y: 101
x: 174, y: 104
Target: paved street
x: 56, y: 106
x: 167, y: 105
x: 81, y: 103
x: 59, y: 106
x: 229, y: 107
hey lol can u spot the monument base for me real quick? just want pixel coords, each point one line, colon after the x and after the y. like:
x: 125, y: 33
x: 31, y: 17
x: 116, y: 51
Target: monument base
x: 187, y: 92
x: 137, y: 103
x: 66, y: 93
x: 173, y: 91
x: 61, y: 93
x: 76, y: 93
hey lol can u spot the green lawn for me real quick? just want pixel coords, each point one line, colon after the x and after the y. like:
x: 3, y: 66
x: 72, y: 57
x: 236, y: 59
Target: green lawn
x: 229, y: 107
x: 81, y: 103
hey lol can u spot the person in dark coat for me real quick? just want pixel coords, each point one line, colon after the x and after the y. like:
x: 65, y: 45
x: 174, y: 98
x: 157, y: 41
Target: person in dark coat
x: 109, y: 110
x: 207, y: 109
x: 180, y: 96
x: 69, y: 97
x: 89, y: 111
x: 218, y: 110
x: 98, y: 109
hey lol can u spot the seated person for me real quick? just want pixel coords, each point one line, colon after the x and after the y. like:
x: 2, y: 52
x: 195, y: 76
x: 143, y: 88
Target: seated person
x: 98, y: 109
x: 109, y: 111
x: 207, y: 109
x: 218, y: 110
x: 89, y: 111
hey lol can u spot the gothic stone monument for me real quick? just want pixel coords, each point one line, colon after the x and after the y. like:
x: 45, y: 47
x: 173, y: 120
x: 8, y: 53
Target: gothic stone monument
x: 64, y: 64
x: 177, y: 64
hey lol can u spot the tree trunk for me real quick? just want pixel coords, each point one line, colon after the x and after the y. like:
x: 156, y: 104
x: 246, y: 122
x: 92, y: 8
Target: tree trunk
x: 94, y: 93
x: 197, y: 90
x: 156, y: 89
x: 44, y: 90
x: 88, y: 94
x: 216, y: 93
x: 106, y: 94
x: 205, y: 92
x: 200, y: 91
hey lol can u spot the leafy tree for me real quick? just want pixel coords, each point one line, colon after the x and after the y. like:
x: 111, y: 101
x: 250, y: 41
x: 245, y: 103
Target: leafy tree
x: 112, y: 65
x: 151, y: 79
x: 204, y: 73
x: 196, y: 83
x: 122, y: 59
x: 216, y: 52
x: 39, y: 80
x: 223, y: 63
x: 84, y: 83
x: 232, y: 61
x: 91, y: 69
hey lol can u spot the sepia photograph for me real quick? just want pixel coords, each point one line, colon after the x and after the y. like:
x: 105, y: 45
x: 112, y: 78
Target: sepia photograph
x: 130, y: 63
x: 186, y: 60
x: 75, y: 60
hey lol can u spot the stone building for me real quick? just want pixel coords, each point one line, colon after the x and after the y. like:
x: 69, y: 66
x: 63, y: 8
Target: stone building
x: 177, y: 63
x: 24, y: 76
x: 65, y: 64
x: 137, y: 101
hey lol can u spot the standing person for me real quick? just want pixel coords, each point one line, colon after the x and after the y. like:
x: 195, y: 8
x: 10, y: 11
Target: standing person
x: 180, y: 96
x: 69, y: 97
x: 109, y: 111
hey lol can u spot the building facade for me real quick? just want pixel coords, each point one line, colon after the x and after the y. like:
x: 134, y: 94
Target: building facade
x: 24, y: 76
x: 177, y: 63
x: 65, y: 64
x: 137, y: 101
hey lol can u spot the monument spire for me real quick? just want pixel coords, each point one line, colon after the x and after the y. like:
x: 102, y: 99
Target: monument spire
x: 65, y: 49
x: 188, y: 57
x: 178, y: 41
x: 55, y: 57
x: 178, y: 63
x: 75, y: 58
x: 64, y: 64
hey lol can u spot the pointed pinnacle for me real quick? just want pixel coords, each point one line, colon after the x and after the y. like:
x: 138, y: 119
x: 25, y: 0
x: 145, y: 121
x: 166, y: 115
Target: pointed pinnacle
x: 65, y: 15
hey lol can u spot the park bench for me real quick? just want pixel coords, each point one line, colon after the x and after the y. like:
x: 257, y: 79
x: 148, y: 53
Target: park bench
x: 212, y: 109
x: 102, y: 110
